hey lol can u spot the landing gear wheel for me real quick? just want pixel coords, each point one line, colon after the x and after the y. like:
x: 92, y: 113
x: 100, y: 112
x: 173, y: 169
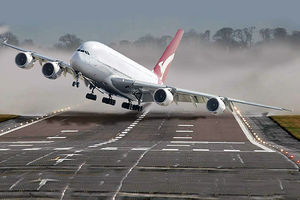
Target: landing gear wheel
x: 77, y: 84
x: 109, y: 101
x: 91, y: 96
x: 126, y: 105
x: 74, y: 83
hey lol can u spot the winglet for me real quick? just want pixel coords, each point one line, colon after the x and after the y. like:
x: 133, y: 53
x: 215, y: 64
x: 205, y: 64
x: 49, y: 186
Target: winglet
x: 163, y: 64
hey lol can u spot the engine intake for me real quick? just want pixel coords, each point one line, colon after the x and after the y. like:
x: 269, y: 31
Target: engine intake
x: 163, y: 97
x: 51, y: 70
x: 215, y: 105
x: 24, y: 60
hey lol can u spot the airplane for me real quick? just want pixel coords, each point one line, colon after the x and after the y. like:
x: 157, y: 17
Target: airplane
x: 113, y: 74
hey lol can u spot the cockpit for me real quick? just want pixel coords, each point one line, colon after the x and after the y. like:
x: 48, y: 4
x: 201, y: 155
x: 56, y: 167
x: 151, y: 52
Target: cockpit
x: 83, y: 51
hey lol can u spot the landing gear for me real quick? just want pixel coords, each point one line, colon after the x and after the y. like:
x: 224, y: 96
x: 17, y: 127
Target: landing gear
x: 75, y: 83
x: 129, y: 106
x: 109, y: 101
x: 91, y: 96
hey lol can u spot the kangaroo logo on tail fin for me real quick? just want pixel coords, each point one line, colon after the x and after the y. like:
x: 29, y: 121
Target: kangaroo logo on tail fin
x: 162, y: 66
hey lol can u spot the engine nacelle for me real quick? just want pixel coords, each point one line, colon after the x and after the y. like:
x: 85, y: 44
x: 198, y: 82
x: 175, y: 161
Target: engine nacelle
x: 163, y: 97
x: 215, y: 105
x: 51, y: 70
x: 24, y: 60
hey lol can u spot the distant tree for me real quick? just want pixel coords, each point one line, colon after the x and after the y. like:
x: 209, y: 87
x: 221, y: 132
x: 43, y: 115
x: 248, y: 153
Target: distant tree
x: 205, y: 36
x: 240, y: 37
x: 266, y: 34
x: 28, y: 42
x: 125, y: 43
x: 295, y: 37
x: 146, y: 40
x: 224, y: 37
x: 68, y: 42
x: 11, y: 38
x: 279, y: 33
x: 248, y: 32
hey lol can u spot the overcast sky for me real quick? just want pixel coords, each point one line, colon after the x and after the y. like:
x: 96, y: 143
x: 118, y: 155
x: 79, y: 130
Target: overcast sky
x: 106, y: 21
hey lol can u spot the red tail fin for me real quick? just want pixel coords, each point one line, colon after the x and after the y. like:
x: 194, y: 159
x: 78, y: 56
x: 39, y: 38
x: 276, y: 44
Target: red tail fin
x: 162, y: 66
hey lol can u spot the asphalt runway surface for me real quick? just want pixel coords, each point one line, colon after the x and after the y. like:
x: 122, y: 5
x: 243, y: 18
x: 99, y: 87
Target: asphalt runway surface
x: 78, y: 155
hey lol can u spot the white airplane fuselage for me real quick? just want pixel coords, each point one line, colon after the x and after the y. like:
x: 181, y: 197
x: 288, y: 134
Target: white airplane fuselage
x: 101, y: 63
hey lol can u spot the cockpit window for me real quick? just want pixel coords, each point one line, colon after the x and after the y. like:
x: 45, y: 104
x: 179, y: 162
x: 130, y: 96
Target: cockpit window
x: 83, y: 51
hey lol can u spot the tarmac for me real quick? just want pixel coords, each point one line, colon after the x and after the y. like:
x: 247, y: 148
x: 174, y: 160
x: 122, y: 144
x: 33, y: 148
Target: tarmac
x: 188, y: 155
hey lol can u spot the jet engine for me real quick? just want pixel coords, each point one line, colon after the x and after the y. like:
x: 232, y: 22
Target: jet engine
x: 51, y: 70
x: 24, y: 60
x: 163, y: 97
x: 215, y: 105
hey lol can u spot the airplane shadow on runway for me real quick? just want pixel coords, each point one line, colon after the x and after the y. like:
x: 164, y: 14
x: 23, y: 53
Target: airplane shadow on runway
x: 84, y: 118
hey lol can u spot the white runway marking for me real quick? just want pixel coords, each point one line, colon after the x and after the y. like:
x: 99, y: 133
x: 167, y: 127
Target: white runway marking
x: 20, y: 145
x: 56, y: 137
x: 206, y: 142
x: 16, y: 183
x: 27, y: 124
x: 260, y: 150
x: 129, y: 171
x: 169, y: 149
x: 185, y: 125
x: 240, y: 158
x: 110, y: 148
x: 69, y: 131
x: 232, y: 150
x: 124, y: 132
x: 200, y: 149
x: 184, y: 131
x: 119, y: 137
x: 31, y: 149
x: 178, y: 145
x: 4, y: 149
x: 27, y: 142
x: 122, y: 135
x: 132, y: 125
x: 140, y: 149
x: 40, y: 158
x: 63, y: 148
x: 182, y: 137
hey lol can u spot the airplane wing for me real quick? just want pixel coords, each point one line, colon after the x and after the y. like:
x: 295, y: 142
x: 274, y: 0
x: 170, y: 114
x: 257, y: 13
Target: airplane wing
x: 38, y: 57
x: 182, y: 95
x: 65, y: 67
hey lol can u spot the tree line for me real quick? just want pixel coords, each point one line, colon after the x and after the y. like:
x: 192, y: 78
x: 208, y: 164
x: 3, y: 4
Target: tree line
x: 226, y: 37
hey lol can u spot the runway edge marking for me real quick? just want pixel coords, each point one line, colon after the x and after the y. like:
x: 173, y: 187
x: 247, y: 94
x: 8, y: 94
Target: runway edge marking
x: 248, y: 134
x: 20, y: 127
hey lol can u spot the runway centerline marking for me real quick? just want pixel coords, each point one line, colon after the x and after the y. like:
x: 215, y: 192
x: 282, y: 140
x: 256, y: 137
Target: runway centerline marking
x: 63, y: 148
x: 206, y: 142
x: 27, y: 142
x: 232, y: 150
x: 69, y: 131
x: 200, y: 149
x: 178, y: 145
x: 20, y: 145
x: 187, y: 137
x: 169, y: 149
x: 110, y: 148
x: 184, y: 131
x: 185, y: 125
x: 56, y: 137
x: 140, y: 149
x: 4, y: 149
x: 31, y: 149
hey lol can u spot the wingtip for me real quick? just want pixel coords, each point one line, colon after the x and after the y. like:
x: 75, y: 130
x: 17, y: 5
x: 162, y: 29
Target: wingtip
x: 288, y: 110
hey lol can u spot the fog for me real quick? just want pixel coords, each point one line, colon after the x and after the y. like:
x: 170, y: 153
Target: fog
x: 265, y: 74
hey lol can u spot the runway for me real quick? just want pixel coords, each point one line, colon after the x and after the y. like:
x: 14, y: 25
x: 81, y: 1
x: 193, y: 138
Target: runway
x: 142, y: 156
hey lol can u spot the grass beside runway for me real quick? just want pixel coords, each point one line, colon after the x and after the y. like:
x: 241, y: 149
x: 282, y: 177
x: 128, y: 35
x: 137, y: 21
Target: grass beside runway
x: 7, y: 117
x: 290, y: 123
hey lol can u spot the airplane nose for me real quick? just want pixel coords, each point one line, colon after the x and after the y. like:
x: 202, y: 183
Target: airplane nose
x: 75, y: 60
